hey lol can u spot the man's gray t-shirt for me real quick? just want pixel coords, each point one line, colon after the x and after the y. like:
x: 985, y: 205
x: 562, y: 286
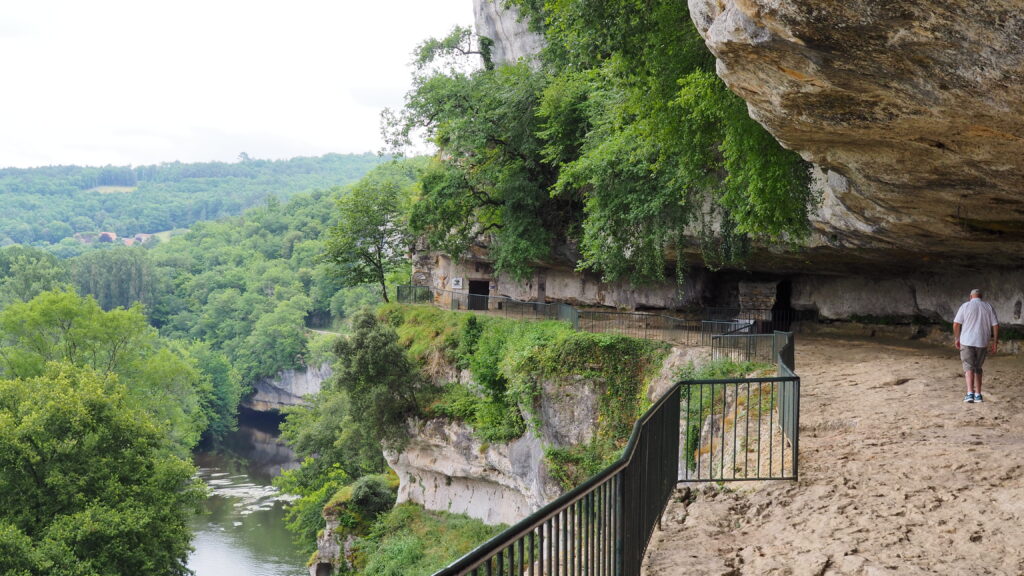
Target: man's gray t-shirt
x: 976, y: 318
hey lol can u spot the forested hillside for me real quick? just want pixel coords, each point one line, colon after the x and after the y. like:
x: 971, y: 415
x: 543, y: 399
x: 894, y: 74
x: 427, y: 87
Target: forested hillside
x: 115, y: 363
x: 247, y: 286
x: 46, y: 205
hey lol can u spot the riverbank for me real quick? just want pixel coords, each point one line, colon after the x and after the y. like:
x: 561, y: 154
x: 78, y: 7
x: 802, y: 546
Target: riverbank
x: 897, y: 475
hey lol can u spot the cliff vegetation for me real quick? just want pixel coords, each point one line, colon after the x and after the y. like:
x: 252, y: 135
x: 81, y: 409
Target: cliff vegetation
x: 619, y: 139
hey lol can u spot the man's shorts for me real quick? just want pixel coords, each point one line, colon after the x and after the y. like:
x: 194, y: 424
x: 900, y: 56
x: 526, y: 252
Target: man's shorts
x: 973, y: 357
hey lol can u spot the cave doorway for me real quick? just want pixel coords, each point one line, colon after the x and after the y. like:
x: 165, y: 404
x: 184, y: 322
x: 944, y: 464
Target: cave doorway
x: 479, y: 293
x: 782, y: 311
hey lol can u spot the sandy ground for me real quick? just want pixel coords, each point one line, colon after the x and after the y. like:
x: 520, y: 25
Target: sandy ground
x: 897, y: 475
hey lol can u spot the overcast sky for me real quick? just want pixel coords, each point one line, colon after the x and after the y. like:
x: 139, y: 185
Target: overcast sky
x: 144, y: 81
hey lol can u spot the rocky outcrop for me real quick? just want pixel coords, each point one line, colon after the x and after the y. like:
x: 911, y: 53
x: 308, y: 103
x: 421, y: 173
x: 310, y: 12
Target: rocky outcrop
x: 513, y: 39
x: 288, y: 388
x: 446, y: 468
x: 911, y: 110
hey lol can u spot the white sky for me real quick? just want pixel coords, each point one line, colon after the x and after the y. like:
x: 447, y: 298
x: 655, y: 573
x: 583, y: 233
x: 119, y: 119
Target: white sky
x: 96, y: 82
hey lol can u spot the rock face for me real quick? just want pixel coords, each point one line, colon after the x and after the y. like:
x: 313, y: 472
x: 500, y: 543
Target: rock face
x: 932, y: 296
x: 446, y: 468
x: 287, y: 389
x: 914, y: 112
x: 513, y: 40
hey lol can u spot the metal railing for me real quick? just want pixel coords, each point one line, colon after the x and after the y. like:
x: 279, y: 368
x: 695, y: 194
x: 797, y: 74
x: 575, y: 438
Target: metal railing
x: 636, y: 324
x: 733, y: 429
x: 765, y: 320
x: 601, y: 527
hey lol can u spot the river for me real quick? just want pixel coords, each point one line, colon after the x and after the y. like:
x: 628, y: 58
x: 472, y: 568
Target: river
x: 241, y: 531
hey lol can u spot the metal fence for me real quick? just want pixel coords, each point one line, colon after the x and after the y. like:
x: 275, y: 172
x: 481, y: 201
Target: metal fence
x: 603, y: 526
x: 741, y: 429
x: 719, y: 430
x: 764, y: 320
x: 636, y: 324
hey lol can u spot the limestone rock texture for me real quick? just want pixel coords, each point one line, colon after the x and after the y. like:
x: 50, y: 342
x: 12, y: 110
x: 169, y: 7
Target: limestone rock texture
x: 912, y: 112
x: 288, y: 388
x: 513, y: 40
x: 446, y: 468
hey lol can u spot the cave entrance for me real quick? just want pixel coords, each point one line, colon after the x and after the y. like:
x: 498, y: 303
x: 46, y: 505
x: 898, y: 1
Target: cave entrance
x: 782, y: 311
x: 479, y: 292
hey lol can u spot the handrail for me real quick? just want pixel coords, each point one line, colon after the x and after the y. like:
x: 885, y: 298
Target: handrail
x: 473, y: 559
x: 603, y: 526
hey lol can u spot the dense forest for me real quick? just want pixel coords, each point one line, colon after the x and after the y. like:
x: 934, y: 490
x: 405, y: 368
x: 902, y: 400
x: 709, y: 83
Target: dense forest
x: 248, y: 285
x: 50, y: 204
x: 115, y: 363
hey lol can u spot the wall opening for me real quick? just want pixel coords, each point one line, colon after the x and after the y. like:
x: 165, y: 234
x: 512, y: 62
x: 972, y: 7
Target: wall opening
x: 782, y: 310
x: 479, y: 290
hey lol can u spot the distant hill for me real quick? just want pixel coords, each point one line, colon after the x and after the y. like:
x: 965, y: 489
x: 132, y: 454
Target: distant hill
x: 48, y: 204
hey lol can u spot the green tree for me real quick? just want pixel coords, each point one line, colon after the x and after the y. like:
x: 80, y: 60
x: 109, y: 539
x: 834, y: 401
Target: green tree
x: 89, y: 486
x: 25, y: 272
x: 221, y: 387
x: 371, y: 237
x: 621, y: 142
x: 383, y: 387
x: 64, y: 327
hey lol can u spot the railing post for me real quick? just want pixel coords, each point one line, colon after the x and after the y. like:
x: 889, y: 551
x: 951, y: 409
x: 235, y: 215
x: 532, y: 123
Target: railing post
x: 620, y: 524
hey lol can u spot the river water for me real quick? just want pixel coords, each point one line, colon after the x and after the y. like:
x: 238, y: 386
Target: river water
x: 241, y: 531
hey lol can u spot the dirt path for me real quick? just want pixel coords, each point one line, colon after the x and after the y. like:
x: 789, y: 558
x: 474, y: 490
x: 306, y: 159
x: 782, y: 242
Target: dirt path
x: 897, y: 475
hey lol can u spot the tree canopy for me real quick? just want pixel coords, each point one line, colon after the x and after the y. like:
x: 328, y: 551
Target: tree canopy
x: 89, y: 485
x: 620, y: 141
x: 371, y: 238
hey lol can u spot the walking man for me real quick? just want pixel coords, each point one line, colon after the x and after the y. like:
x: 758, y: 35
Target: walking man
x: 976, y: 330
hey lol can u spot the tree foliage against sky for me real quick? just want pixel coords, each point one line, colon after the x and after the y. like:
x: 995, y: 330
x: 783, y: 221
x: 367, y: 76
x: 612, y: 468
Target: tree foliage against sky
x: 371, y: 239
x: 620, y: 140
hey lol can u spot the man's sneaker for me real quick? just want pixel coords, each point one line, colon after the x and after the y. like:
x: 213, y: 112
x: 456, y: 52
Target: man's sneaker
x: 977, y: 397
x: 969, y: 398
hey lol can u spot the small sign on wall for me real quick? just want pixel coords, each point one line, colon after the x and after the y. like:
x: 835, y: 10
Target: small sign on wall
x: 457, y: 283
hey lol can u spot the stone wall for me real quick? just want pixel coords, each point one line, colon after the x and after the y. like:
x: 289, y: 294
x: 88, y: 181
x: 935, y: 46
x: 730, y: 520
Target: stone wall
x: 555, y: 284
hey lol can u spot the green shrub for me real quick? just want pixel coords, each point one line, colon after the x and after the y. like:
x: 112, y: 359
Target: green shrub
x: 411, y: 541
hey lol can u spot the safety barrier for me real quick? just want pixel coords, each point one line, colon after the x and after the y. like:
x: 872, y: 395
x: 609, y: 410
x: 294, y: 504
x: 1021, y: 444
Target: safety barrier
x: 726, y: 430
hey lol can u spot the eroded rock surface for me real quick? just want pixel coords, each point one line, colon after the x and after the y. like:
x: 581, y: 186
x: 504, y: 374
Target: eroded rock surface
x: 446, y: 468
x: 513, y: 39
x: 288, y: 388
x: 914, y: 111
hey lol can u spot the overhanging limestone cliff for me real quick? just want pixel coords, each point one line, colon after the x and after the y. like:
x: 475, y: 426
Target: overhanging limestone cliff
x: 913, y: 110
